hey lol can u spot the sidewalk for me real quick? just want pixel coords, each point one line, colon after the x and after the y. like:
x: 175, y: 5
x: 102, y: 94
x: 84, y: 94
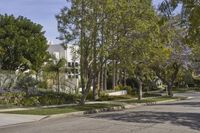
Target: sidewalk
x: 13, y: 119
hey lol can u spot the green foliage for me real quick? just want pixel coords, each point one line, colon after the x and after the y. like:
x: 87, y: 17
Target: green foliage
x: 42, y: 98
x: 13, y: 98
x: 56, y: 66
x: 151, y: 95
x: 7, y: 80
x: 55, y: 98
x: 90, y: 95
x: 31, y: 101
x: 43, y: 85
x: 26, y: 83
x: 129, y: 89
x: 23, y: 44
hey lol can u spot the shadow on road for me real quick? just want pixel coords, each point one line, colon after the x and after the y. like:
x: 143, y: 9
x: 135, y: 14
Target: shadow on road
x: 191, y: 120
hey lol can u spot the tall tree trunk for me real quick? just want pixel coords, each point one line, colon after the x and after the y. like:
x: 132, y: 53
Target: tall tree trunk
x: 117, y: 74
x: 58, y: 76
x: 125, y: 78
x: 114, y: 75
x: 95, y: 73
x: 105, y: 78
x: 82, y: 37
x: 169, y: 89
x: 87, y: 89
x: 139, y: 88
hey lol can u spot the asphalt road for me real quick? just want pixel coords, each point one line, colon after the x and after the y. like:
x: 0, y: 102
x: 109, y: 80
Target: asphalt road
x: 176, y: 117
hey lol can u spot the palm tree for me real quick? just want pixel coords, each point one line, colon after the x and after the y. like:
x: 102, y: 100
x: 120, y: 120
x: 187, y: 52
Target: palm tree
x: 56, y: 66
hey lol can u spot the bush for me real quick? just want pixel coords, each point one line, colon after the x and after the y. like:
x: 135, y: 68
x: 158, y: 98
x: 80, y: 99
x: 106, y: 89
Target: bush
x: 54, y: 98
x: 119, y: 88
x: 90, y: 95
x: 105, y: 97
x: 13, y: 98
x: 42, y: 98
x: 43, y: 85
x: 31, y: 101
x: 151, y: 95
x: 27, y: 84
x: 129, y: 89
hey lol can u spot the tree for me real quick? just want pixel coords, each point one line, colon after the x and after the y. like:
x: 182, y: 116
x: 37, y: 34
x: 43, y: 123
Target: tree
x: 23, y: 44
x: 190, y: 19
x: 56, y: 66
x: 108, y: 31
x: 174, y: 55
x: 81, y: 24
x: 138, y: 31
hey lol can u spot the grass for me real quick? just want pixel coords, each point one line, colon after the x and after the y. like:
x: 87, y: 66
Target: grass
x: 61, y: 110
x: 3, y: 106
x: 152, y: 100
x: 183, y: 90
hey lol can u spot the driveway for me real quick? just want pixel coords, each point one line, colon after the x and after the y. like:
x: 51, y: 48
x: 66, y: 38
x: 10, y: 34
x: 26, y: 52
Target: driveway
x: 175, y: 117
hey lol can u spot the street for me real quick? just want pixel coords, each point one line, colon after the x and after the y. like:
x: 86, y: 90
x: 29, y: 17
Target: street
x: 175, y: 117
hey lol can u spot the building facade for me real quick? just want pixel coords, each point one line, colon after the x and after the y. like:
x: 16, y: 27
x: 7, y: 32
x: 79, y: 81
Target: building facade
x: 70, y: 55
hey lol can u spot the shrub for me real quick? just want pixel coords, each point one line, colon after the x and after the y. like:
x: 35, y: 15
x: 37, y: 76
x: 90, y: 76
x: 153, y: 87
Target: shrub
x: 151, y: 95
x: 105, y: 97
x: 26, y: 83
x: 90, y: 95
x: 129, y: 89
x: 41, y: 98
x: 13, y: 98
x: 119, y: 87
x: 31, y: 101
x: 54, y: 98
x: 43, y: 84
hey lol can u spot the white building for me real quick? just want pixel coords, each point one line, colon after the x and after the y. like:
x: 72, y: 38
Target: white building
x: 72, y: 58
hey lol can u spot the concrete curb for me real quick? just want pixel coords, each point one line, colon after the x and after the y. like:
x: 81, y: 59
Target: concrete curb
x: 110, y: 109
x: 79, y: 113
x: 130, y: 106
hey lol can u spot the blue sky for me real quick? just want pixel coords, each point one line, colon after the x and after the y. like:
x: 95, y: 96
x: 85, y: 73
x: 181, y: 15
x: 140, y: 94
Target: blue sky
x: 39, y: 11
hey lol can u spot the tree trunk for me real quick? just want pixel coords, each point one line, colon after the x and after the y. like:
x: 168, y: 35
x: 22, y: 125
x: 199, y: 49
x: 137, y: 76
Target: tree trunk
x: 86, y: 92
x: 58, y: 74
x: 169, y: 89
x: 82, y: 37
x: 105, y: 78
x: 101, y: 80
x: 114, y: 75
x: 140, y: 92
x: 139, y: 88
x: 125, y: 78
x: 117, y: 74
x: 95, y: 92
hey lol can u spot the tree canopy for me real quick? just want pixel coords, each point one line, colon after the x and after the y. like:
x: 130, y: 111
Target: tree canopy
x: 22, y: 44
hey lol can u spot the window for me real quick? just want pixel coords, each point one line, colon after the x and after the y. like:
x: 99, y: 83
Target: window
x: 77, y: 71
x: 73, y: 64
x: 76, y: 64
x: 69, y: 64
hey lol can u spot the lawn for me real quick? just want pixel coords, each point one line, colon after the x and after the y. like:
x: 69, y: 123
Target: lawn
x: 183, y: 90
x: 2, y: 106
x: 61, y: 110
x: 152, y: 100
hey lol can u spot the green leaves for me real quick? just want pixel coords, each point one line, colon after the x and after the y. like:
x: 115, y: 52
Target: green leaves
x: 21, y: 42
